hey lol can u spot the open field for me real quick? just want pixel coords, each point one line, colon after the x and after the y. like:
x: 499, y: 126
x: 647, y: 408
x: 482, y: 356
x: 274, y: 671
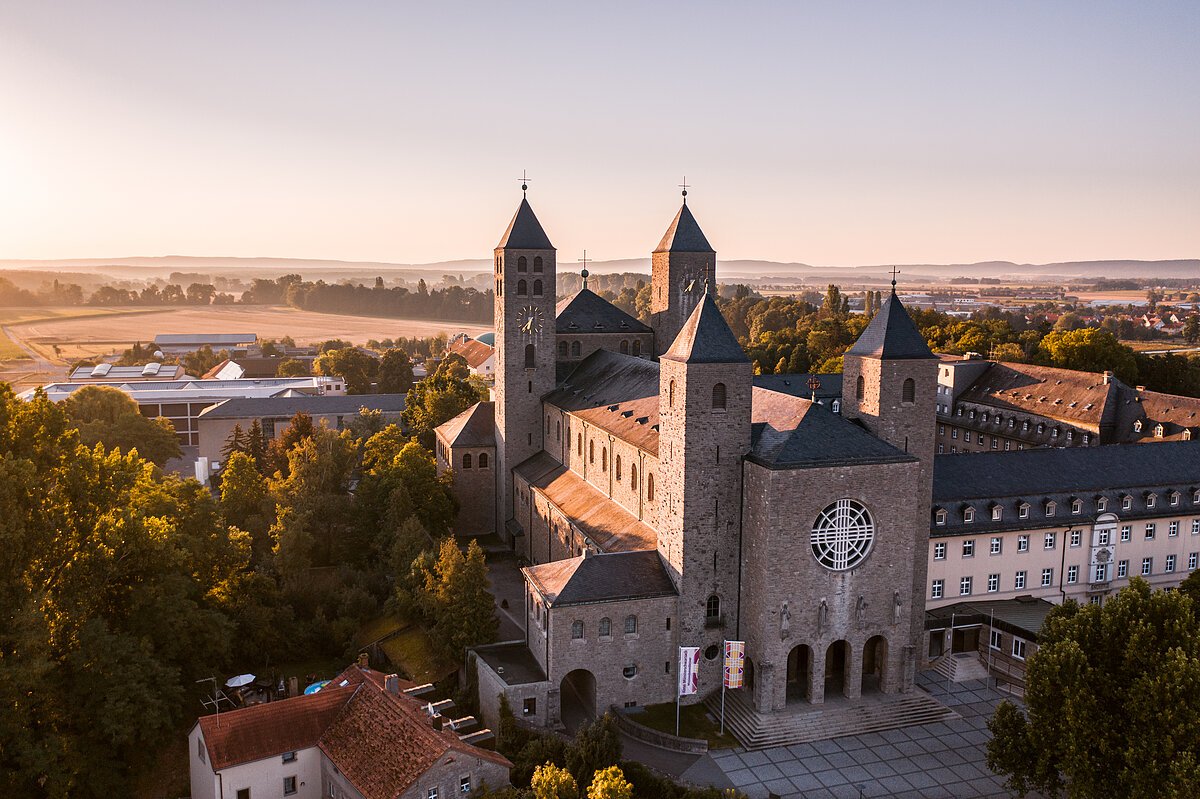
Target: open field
x: 84, y: 337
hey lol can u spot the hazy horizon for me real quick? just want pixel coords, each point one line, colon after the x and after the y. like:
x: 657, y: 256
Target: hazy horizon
x: 922, y: 134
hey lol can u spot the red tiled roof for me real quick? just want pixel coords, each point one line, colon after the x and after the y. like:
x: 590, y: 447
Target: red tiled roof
x: 475, y: 352
x: 261, y: 731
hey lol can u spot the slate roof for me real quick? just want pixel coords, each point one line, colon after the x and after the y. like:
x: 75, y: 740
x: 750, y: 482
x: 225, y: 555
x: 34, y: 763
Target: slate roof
x: 607, y: 577
x: 286, y: 407
x: 792, y: 432
x: 604, y: 521
x: 587, y: 312
x: 892, y: 335
x: 684, y: 234
x: 617, y: 393
x: 797, y: 385
x: 1081, y: 399
x: 1018, y: 615
x: 706, y: 338
x: 525, y: 231
x: 474, y: 427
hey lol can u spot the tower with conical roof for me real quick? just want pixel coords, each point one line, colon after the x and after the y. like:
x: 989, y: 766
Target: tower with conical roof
x: 524, y: 318
x: 704, y: 432
x: 681, y: 266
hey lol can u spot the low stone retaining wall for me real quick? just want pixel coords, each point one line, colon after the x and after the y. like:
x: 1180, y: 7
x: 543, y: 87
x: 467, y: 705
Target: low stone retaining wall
x: 663, y: 740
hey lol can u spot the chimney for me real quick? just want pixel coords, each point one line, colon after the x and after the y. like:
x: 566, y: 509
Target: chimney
x: 364, y: 661
x: 1108, y: 378
x: 437, y: 721
x: 391, y: 683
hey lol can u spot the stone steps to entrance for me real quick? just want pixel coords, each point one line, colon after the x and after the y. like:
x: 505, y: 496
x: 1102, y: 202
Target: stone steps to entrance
x: 961, y: 667
x: 756, y: 730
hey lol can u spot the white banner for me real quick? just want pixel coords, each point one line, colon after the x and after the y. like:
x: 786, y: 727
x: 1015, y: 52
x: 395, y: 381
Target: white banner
x: 689, y: 670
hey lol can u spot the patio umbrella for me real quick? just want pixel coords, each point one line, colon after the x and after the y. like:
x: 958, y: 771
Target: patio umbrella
x: 312, y: 689
x: 239, y: 681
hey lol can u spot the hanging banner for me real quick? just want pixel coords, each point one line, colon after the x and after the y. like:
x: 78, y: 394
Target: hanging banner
x: 689, y: 670
x: 735, y: 664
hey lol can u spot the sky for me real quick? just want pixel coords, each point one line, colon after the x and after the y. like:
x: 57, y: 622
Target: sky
x: 824, y: 133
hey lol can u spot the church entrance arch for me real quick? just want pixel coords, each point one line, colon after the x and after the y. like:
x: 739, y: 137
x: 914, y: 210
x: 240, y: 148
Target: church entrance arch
x: 799, y: 674
x: 837, y: 668
x: 578, y: 699
x: 874, y: 669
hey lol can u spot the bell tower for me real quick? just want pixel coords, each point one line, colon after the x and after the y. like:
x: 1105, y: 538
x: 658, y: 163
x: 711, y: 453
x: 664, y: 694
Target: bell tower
x: 681, y: 266
x: 525, y: 293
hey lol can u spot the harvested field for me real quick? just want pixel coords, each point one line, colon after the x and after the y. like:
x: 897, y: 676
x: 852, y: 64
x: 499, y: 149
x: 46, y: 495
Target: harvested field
x: 121, y: 327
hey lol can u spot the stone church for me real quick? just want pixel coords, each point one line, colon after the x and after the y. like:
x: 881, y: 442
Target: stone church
x: 662, y: 499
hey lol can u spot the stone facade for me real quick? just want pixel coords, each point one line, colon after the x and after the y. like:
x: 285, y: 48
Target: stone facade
x: 474, y: 470
x: 676, y: 285
x: 574, y: 347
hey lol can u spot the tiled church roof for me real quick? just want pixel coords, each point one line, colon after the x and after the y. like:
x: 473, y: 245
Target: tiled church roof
x: 587, y: 312
x: 612, y: 576
x: 892, y: 335
x: 684, y: 234
x: 474, y: 427
x: 706, y: 338
x: 525, y: 231
x: 617, y: 393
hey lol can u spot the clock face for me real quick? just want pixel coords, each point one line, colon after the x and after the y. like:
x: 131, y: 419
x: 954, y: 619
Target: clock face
x: 530, y: 320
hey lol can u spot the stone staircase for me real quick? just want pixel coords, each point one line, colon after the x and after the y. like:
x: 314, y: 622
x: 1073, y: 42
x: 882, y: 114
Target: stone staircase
x: 961, y: 667
x: 818, y: 722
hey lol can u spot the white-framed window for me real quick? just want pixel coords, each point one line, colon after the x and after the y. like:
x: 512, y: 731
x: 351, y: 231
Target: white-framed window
x: 1147, y: 566
x: 954, y: 430
x: 1072, y: 574
x: 1023, y: 511
x: 967, y: 436
x: 1192, y: 559
x: 1126, y: 532
x: 1150, y: 528
x: 432, y: 793
x: 1102, y: 537
x: 995, y: 639
x: 1048, y: 541
x: 997, y: 513
x: 1022, y: 543
x: 968, y: 548
x: 1101, y: 572
x: 1076, y: 506
x: 1196, y: 497
x: 464, y: 784
x: 1018, y: 648
x: 937, y: 590
x: 969, y: 515
x: 1076, y: 538
x: 1126, y: 502
x: 1169, y: 566
x: 289, y: 786
x: 1051, y: 506
x: 964, y: 586
x: 1195, y: 526
x: 996, y: 545
x: 1122, y: 569
x: 940, y: 516
x: 1047, y: 577
x: 993, y: 583
x: 629, y: 672
x: 1019, y: 580
x: 1151, y: 500
x: 1172, y: 529
x: 1101, y: 504
x: 939, y: 551
x: 1094, y: 600
x: 289, y: 757
x: 1174, y: 498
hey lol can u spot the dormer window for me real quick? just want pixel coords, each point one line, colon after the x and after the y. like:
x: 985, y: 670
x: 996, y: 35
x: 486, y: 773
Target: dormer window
x: 1101, y: 505
x: 1054, y: 433
x: 1077, y: 506
x: 1174, y: 498
x: 997, y: 513
x: 1051, y: 506
x: 1126, y: 502
x: 1086, y: 438
x: 836, y: 406
x: 940, y: 516
x: 1137, y: 426
x: 972, y: 414
x: 1025, y: 426
x: 1070, y: 435
x: 983, y: 418
x: 1196, y: 496
x: 1158, y: 431
x: 1011, y: 423
x: 968, y: 515
x: 1041, y: 428
x: 1151, y: 500
x: 1023, y: 510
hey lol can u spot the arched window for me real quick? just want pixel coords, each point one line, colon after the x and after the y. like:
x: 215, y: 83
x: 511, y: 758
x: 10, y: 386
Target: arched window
x: 618, y: 467
x: 604, y: 459
x: 860, y: 387
x: 537, y: 263
x: 537, y: 288
x: 605, y: 627
x: 671, y: 395
x: 908, y: 393
x: 624, y: 346
x: 577, y: 629
x: 836, y: 406
x: 557, y: 431
x: 579, y: 444
x: 522, y: 264
x: 712, y: 608
x: 650, y: 486
x: 637, y: 348
x: 562, y: 349
x: 483, y: 460
x: 633, y: 477
x: 466, y: 461
x: 575, y: 349
x: 530, y: 356
x: 522, y: 288
x: 719, y: 396
x: 630, y: 624
x: 591, y: 452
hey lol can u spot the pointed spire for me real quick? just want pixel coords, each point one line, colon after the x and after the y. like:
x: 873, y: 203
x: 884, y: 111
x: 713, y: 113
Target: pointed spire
x: 525, y: 231
x: 706, y: 338
x: 891, y: 335
x: 684, y: 234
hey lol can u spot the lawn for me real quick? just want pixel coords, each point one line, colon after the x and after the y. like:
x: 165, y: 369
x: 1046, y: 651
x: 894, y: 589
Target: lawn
x: 693, y: 723
x: 9, y: 351
x: 412, y: 651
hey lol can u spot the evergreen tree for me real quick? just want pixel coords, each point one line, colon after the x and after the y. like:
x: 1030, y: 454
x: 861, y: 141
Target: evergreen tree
x: 597, y: 746
x: 256, y: 445
x: 236, y: 442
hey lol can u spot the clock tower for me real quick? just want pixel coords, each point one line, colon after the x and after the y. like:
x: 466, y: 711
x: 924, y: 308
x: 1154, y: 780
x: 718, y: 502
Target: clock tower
x: 525, y: 294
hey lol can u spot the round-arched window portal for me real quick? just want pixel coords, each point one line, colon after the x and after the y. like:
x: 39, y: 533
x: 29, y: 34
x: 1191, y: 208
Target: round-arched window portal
x: 842, y: 535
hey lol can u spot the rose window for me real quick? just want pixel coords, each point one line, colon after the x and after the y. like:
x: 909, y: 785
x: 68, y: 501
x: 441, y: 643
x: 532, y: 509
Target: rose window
x: 842, y: 535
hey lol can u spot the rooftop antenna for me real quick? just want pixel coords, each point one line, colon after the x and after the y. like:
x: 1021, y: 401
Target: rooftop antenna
x: 895, y: 271
x: 524, y: 183
x: 684, y: 186
x: 584, y: 272
x: 217, y: 696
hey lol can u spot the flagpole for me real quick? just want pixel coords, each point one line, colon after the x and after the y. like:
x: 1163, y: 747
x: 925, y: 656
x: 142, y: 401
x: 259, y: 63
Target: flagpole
x: 724, y: 656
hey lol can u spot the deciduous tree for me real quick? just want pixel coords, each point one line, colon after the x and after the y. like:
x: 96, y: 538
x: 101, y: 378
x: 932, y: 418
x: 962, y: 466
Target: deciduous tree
x: 106, y: 415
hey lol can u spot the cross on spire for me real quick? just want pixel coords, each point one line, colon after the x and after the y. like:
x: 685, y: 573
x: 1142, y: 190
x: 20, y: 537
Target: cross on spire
x: 524, y: 183
x: 684, y: 186
x: 584, y: 272
x: 895, y: 271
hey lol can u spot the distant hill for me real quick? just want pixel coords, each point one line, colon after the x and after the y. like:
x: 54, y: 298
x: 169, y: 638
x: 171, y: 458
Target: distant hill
x: 142, y: 267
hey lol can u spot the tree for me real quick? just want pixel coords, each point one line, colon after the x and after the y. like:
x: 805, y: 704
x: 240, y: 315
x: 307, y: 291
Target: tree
x: 553, y: 782
x: 245, y: 502
x: 299, y: 429
x: 457, y: 599
x: 352, y: 364
x: 440, y: 397
x: 106, y: 415
x: 292, y: 367
x: 610, y: 783
x: 395, y: 372
x: 597, y: 746
x: 1113, y: 698
x: 256, y: 444
x: 234, y: 442
x: 1089, y: 350
x: 1191, y: 329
